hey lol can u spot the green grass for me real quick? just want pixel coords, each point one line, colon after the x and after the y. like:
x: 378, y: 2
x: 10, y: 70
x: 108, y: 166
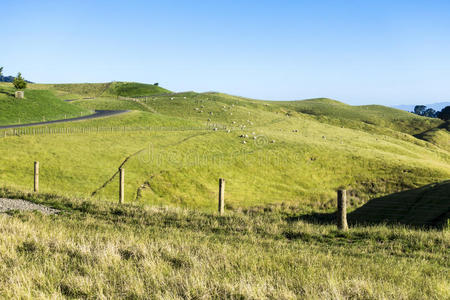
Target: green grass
x: 166, y: 242
x: 89, y: 90
x: 37, y: 106
x: 439, y: 136
x: 361, y: 117
x: 181, y: 167
x: 101, y: 250
x: 132, y: 89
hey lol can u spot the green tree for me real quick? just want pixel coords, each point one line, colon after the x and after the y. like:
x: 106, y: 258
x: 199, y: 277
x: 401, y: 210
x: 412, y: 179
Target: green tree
x: 444, y: 114
x: 1, y: 71
x: 429, y: 112
x: 419, y: 109
x: 19, y: 83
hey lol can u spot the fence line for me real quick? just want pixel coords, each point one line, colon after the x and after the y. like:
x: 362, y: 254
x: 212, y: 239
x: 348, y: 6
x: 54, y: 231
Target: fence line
x: 83, y: 130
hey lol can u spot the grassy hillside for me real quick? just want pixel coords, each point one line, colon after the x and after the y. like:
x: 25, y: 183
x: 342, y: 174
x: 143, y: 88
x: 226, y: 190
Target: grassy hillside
x: 282, y: 164
x: 132, y: 89
x: 37, y: 106
x: 439, y: 136
x: 295, y: 158
x: 356, y: 117
x: 428, y: 205
x: 109, y: 89
x: 101, y: 250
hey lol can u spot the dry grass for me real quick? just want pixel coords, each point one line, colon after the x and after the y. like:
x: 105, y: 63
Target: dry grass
x: 99, y: 250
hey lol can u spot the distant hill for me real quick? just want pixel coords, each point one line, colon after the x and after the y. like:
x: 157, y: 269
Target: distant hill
x: 410, y: 107
x: 428, y: 205
x: 9, y: 79
x: 107, y: 89
x: 366, y: 117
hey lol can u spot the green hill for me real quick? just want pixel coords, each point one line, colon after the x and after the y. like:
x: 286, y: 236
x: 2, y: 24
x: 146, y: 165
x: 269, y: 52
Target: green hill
x: 428, y: 205
x: 282, y: 162
x: 37, y: 106
x: 90, y: 90
x: 368, y: 117
x: 439, y: 136
x: 174, y: 157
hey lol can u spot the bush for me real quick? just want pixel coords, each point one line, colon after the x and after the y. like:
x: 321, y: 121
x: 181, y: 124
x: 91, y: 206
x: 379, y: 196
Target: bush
x: 19, y: 83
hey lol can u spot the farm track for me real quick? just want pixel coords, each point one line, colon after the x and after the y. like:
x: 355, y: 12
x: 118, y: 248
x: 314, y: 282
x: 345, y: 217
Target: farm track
x: 97, y: 114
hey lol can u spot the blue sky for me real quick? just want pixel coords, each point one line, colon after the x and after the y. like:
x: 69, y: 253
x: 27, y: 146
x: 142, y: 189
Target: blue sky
x: 358, y: 52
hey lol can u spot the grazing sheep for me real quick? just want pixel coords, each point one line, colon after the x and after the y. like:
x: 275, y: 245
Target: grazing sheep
x: 209, y: 120
x: 171, y: 98
x: 228, y: 130
x: 234, y: 122
x: 272, y: 141
x: 244, y: 142
x: 215, y: 129
x: 324, y: 137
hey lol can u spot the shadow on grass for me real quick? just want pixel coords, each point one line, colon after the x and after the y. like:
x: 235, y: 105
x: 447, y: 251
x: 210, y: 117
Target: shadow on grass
x: 424, y: 207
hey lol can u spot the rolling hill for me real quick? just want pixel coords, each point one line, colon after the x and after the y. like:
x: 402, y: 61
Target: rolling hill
x: 174, y: 146
x: 282, y: 162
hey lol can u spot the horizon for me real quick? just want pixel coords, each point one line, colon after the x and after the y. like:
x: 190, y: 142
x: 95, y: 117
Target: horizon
x: 356, y: 53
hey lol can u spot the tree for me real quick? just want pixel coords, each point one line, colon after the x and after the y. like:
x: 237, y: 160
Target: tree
x: 419, y: 109
x: 430, y: 113
x: 156, y: 83
x: 444, y: 114
x: 19, y: 83
x: 1, y: 71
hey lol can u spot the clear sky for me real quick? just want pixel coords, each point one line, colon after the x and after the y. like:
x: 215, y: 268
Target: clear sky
x: 358, y: 52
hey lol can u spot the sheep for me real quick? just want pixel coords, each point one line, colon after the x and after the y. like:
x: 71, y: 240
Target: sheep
x: 209, y: 120
x: 272, y: 141
x: 244, y: 142
x: 215, y: 129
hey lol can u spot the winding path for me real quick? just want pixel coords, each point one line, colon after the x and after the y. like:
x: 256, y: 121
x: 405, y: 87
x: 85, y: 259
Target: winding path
x: 97, y: 114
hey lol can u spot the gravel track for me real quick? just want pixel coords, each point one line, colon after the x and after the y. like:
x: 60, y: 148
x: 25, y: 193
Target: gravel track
x: 22, y: 205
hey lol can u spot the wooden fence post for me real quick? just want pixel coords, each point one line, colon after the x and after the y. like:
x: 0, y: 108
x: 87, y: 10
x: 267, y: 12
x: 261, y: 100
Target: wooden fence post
x: 121, y: 185
x: 36, y: 176
x: 221, y: 195
x: 342, y: 210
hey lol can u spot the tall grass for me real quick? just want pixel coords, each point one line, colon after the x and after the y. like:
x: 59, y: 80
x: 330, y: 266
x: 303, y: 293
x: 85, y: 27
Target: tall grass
x: 100, y: 250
